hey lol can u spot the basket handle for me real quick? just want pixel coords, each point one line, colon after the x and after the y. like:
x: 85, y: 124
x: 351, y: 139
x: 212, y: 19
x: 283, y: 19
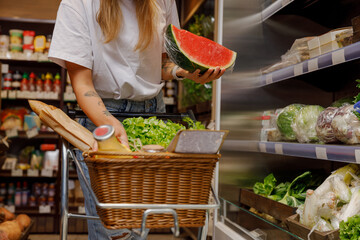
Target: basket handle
x: 159, y: 211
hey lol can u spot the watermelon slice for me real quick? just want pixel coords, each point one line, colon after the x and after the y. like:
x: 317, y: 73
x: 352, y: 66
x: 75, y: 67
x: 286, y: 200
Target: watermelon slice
x: 191, y: 52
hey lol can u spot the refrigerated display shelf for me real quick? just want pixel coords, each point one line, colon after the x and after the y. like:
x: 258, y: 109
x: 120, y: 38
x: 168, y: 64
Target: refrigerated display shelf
x: 339, y: 153
x: 251, y: 222
x: 341, y: 55
x: 274, y: 8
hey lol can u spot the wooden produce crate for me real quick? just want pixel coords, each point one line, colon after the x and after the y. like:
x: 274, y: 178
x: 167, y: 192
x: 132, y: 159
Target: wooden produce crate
x: 265, y: 205
x: 303, y: 231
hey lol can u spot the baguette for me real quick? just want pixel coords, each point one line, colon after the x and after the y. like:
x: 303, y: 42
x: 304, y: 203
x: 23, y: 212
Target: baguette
x: 37, y: 106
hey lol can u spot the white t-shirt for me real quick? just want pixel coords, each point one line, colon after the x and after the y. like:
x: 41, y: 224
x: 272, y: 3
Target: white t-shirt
x: 118, y: 72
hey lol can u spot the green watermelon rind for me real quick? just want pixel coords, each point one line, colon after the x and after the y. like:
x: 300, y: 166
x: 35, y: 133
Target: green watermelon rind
x: 181, y: 59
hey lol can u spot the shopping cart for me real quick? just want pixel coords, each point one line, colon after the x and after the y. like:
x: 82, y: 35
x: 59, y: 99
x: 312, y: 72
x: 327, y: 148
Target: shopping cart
x: 183, y: 211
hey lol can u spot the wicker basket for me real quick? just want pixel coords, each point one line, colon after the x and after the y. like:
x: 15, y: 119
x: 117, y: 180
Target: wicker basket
x: 151, y: 178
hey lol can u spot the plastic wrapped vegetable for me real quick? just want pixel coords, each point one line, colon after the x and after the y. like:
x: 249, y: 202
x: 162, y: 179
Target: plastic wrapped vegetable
x: 304, y: 123
x: 346, y: 125
x: 285, y: 119
x: 323, y: 127
x: 354, y: 206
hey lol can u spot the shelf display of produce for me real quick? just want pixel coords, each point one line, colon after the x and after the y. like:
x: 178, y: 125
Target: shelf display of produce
x: 342, y: 55
x: 340, y: 153
x: 254, y: 150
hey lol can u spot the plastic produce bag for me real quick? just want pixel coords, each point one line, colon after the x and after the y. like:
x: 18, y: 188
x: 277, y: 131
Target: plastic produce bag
x: 304, y: 123
x: 346, y: 125
x: 354, y: 206
x: 323, y: 127
x: 285, y: 120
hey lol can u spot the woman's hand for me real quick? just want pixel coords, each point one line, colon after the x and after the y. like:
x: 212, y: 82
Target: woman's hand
x: 120, y: 132
x: 208, y: 76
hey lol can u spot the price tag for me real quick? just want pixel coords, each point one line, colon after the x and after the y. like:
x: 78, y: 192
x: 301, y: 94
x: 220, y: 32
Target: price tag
x: 338, y: 56
x: 81, y: 209
x: 313, y: 65
x: 10, y: 208
x: 4, y: 68
x: 10, y: 133
x: 16, y: 172
x: 298, y: 69
x: 44, y: 209
x: 321, y: 153
x: 268, y: 78
x: 46, y: 172
x: 357, y: 155
x: 279, y: 148
x: 262, y: 147
x: 32, y: 132
x: 32, y: 173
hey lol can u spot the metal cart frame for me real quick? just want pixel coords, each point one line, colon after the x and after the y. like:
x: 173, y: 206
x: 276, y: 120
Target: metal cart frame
x: 67, y: 153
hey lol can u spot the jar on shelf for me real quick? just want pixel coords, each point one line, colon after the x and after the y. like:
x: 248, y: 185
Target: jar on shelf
x: 24, y: 84
x: 4, y: 43
x: 16, y: 83
x: 57, y: 84
x: 28, y: 37
x: 7, y: 81
x: 48, y: 82
x: 39, y: 43
x: 32, y: 82
x: 52, y: 190
x: 16, y: 36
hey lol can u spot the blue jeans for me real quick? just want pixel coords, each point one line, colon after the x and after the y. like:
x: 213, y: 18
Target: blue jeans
x: 96, y: 231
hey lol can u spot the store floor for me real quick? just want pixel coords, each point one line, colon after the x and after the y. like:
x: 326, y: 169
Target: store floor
x: 84, y: 237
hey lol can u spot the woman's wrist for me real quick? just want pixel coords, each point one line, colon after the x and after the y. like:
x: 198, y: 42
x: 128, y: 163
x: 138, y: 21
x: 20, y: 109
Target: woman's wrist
x: 174, y: 73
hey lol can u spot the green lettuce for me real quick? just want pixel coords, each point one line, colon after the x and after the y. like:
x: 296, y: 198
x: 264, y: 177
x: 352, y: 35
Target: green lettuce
x: 285, y: 119
x: 154, y: 131
x: 350, y: 230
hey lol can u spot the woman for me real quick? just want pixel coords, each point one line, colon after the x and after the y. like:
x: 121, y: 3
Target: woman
x: 114, y: 53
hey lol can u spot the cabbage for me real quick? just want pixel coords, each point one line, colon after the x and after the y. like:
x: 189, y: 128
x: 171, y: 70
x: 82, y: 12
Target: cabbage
x: 285, y: 120
x: 305, y: 122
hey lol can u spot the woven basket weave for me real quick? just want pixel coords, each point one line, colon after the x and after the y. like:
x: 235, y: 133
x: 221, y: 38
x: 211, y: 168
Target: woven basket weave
x: 151, y: 178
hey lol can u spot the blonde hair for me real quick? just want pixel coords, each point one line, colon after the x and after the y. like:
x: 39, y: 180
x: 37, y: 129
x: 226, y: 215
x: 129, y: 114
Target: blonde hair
x: 110, y: 19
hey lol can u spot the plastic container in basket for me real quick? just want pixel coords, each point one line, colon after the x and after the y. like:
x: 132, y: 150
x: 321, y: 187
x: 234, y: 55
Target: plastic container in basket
x: 151, y: 178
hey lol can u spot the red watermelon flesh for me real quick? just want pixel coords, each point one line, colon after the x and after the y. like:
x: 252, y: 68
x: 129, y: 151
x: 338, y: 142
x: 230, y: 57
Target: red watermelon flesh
x: 201, y: 52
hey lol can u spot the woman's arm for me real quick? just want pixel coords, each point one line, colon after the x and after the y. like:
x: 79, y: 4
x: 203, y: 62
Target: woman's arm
x: 168, y: 65
x: 90, y: 102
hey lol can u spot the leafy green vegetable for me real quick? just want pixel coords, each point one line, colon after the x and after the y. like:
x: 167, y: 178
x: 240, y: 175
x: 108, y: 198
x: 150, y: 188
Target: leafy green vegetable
x: 285, y: 120
x: 266, y: 188
x: 154, y: 131
x: 350, y: 230
x: 357, y: 97
x: 279, y: 191
x: 292, y: 194
x: 296, y: 191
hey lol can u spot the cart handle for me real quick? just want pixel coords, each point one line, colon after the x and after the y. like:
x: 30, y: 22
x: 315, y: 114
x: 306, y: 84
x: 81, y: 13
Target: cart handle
x: 159, y: 211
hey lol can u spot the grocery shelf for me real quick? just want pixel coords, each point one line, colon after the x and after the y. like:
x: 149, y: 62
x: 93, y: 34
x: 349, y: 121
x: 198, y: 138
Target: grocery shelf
x: 341, y: 55
x: 26, y: 173
x: 41, y: 135
x: 274, y: 8
x: 35, y: 210
x: 339, y: 153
